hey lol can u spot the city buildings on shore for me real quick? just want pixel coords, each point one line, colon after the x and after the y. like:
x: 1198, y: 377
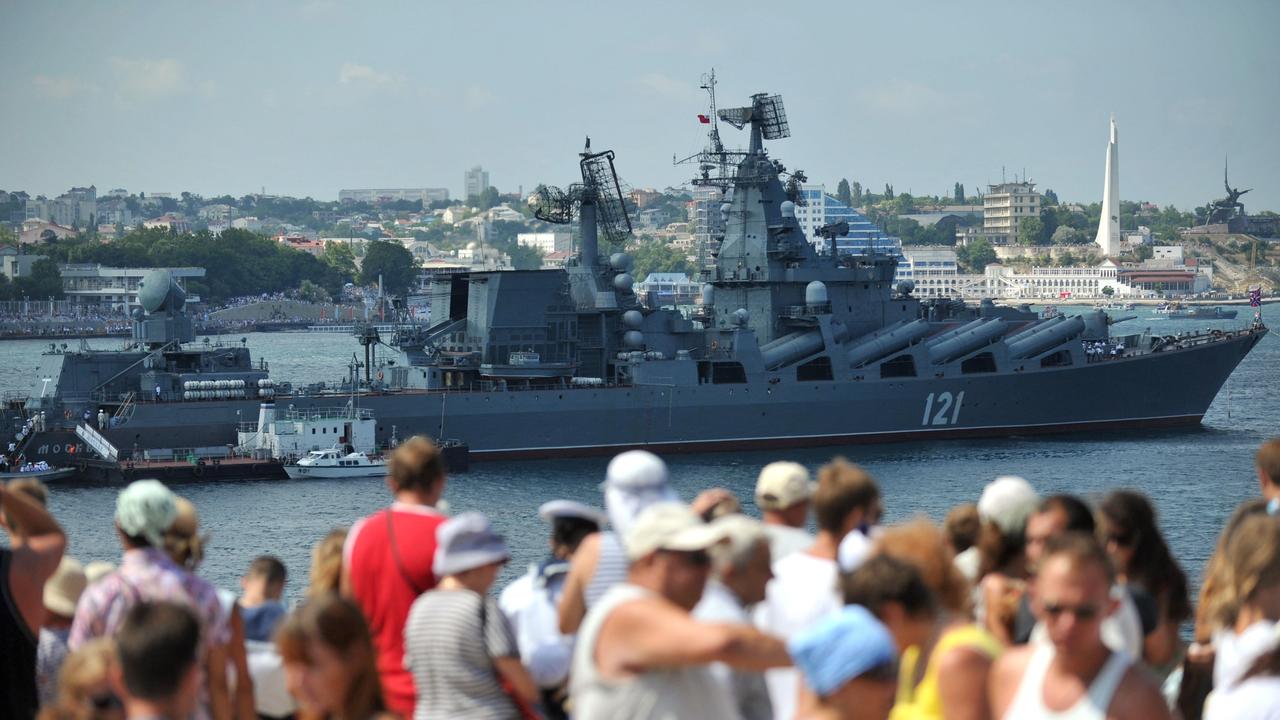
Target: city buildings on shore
x: 821, y: 208
x: 546, y: 242
x: 380, y: 195
x: 1004, y: 207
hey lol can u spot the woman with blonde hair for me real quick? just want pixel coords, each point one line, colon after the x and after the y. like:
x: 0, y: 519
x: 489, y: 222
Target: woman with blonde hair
x: 1246, y: 606
x: 946, y: 676
x: 326, y: 564
x: 329, y: 660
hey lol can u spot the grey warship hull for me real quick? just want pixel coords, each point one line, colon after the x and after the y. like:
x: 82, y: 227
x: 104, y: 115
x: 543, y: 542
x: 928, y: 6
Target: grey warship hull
x: 1126, y: 393
x: 792, y: 345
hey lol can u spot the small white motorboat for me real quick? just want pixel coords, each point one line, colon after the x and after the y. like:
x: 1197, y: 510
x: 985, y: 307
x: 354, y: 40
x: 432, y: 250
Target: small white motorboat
x: 333, y: 463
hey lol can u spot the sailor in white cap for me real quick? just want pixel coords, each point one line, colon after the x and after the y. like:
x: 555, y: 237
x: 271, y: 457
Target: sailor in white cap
x: 530, y: 601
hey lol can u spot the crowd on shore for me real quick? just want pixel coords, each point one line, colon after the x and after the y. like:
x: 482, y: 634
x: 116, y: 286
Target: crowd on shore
x: 1017, y: 606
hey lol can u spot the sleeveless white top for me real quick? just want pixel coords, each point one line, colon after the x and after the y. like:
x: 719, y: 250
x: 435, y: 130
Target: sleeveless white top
x: 1029, y: 700
x: 671, y: 694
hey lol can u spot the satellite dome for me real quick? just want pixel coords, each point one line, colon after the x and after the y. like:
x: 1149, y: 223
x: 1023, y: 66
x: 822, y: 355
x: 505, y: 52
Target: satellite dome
x: 623, y: 282
x: 815, y: 293
x: 788, y: 209
x: 906, y: 286
x: 741, y: 316
x: 632, y: 319
x: 633, y: 338
x: 158, y: 292
x: 620, y: 261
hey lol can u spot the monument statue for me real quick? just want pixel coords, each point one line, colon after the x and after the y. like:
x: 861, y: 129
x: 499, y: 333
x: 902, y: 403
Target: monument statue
x: 1224, y: 210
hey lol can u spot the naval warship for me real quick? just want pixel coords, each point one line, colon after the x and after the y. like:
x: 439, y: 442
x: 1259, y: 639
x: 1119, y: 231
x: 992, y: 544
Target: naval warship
x: 794, y: 344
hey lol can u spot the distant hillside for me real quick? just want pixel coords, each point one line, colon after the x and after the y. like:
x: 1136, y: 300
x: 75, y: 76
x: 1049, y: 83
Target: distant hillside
x: 1231, y: 256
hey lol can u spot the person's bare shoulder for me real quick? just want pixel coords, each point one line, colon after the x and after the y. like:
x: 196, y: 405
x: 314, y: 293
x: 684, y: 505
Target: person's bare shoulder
x: 1006, y: 674
x: 1138, y: 698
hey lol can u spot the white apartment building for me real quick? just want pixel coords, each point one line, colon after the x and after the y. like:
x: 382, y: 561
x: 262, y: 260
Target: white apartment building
x: 1005, y: 206
x: 546, y: 242
x: 933, y: 269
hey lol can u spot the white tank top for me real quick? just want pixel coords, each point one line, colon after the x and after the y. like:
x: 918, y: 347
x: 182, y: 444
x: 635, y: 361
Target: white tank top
x: 1028, y: 703
x: 670, y: 694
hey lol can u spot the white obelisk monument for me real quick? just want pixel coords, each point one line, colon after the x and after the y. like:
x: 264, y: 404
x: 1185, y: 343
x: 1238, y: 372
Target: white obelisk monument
x: 1109, y: 224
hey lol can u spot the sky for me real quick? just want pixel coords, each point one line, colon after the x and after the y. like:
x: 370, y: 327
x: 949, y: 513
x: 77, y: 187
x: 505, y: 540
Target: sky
x: 306, y: 98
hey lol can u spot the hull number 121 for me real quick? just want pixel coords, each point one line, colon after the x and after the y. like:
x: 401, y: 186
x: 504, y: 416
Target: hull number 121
x: 942, y: 408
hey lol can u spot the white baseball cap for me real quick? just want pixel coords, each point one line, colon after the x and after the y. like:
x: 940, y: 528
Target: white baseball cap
x: 1008, y: 501
x: 670, y: 526
x: 781, y: 485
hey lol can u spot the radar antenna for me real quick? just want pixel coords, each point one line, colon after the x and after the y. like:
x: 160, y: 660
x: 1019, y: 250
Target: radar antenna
x: 600, y: 187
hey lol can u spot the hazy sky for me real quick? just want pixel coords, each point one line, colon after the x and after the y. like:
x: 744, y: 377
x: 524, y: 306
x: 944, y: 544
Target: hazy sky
x: 306, y: 98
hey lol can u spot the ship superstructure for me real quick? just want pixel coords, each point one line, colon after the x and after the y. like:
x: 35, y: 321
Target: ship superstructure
x: 790, y: 346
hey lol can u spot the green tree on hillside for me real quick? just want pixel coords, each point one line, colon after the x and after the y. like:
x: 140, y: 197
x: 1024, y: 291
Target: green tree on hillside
x: 655, y: 256
x: 1030, y: 231
x: 844, y: 193
x: 393, y: 262
x: 338, y: 256
x: 977, y: 255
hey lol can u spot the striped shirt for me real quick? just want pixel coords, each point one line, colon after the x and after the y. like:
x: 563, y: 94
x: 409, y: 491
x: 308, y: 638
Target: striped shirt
x: 611, y: 568
x: 451, y: 658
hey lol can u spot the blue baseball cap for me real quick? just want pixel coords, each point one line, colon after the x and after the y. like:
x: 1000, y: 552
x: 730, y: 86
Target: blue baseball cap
x: 841, y: 647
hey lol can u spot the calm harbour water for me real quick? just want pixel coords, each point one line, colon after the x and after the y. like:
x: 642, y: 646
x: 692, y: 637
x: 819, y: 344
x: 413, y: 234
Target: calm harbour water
x: 1195, y: 477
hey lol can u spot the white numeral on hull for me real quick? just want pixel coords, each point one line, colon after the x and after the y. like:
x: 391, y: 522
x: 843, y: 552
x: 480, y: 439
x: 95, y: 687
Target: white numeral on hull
x: 947, y: 412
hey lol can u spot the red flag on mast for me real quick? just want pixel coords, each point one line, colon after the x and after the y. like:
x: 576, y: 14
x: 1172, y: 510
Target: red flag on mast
x: 704, y: 119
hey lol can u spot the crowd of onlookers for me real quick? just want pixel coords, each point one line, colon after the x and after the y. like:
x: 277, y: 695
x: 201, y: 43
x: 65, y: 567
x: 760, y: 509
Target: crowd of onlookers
x: 1017, y: 606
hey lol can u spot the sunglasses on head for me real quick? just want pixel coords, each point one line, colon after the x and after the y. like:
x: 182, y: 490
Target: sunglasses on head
x: 1081, y: 612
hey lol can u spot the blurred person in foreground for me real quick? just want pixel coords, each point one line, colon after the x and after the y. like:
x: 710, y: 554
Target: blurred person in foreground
x: 633, y: 481
x: 640, y: 654
x: 1244, y: 612
x: 329, y: 661
x: 805, y: 585
x: 61, y: 593
x: 945, y: 675
x: 261, y: 590
x: 185, y: 546
x: 1267, y: 464
x: 260, y: 604
x: 158, y: 671
x: 849, y: 665
x: 783, y: 494
x: 36, y: 544
x: 325, y: 574
x: 387, y: 560
x: 530, y: 601
x: 1135, y: 615
x: 1144, y: 564
x: 85, y: 687
x: 962, y: 525
x: 1004, y: 507
x: 145, y: 510
x: 1075, y: 674
x: 458, y: 644
x: 741, y: 570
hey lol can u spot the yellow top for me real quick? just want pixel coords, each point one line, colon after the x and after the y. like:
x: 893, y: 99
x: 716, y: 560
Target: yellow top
x: 923, y: 702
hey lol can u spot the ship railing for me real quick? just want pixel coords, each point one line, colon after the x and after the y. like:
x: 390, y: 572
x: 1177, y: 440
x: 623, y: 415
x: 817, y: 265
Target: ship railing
x: 804, y: 311
x: 336, y: 413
